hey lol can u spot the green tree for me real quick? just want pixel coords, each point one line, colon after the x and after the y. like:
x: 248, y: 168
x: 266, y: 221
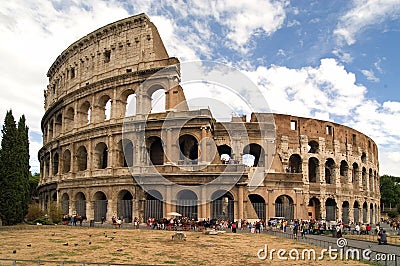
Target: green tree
x: 33, y: 184
x: 390, y: 190
x: 14, y: 170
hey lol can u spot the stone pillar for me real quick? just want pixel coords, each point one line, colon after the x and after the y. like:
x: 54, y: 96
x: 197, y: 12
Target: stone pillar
x: 203, y: 200
x: 240, y: 203
x: 351, y: 212
x: 323, y: 208
x: 203, y: 147
x: 168, y: 151
x: 89, y: 209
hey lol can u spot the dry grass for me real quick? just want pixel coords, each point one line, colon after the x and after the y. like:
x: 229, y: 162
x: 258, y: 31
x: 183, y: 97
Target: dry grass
x: 143, y: 247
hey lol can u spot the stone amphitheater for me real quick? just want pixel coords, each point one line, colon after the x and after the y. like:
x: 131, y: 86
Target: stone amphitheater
x: 107, y: 153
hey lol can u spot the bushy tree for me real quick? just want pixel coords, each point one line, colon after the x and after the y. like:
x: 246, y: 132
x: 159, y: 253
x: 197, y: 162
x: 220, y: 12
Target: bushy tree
x: 14, y: 170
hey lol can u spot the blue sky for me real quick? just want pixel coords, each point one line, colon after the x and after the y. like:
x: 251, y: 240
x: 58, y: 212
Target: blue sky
x: 332, y: 60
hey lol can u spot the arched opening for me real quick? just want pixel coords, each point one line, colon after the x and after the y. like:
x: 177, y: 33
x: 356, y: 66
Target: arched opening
x: 364, y: 157
x: 344, y: 170
x: 58, y: 124
x: 294, y: 165
x: 314, y: 208
x: 313, y: 147
x: 258, y: 204
x: 354, y: 174
x: 129, y: 102
x: 81, y: 156
x: 158, y: 101
x: 155, y: 150
x: 371, y: 213
x: 257, y: 151
x: 80, y: 204
x: 313, y: 170
x: 101, y: 156
x: 371, y: 181
x: 125, y: 153
x: 365, y: 212
x: 100, y: 206
x: 69, y: 119
x: 47, y: 165
x: 330, y: 206
x: 153, y: 205
x: 66, y: 161
x: 51, y: 133
x: 189, y: 149
x: 187, y: 204
x: 330, y: 171
x: 284, y: 207
x: 65, y: 203
x: 225, y: 153
x: 124, y: 206
x: 104, y: 108
x: 84, y: 113
x: 356, y: 212
x: 54, y: 196
x: 55, y: 163
x: 222, y: 207
x: 364, y: 178
x: 345, y: 212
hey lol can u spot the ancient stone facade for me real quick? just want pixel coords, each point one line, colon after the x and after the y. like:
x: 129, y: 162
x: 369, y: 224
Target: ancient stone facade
x: 101, y: 141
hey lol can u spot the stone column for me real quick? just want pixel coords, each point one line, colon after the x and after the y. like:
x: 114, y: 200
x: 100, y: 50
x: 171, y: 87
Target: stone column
x: 240, y: 203
x: 203, y: 200
x: 203, y: 148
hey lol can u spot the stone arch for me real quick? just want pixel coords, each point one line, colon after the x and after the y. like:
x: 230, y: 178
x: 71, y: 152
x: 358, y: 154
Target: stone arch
x: 101, y: 156
x: 156, y: 94
x: 330, y: 171
x: 314, y: 208
x: 344, y: 172
x: 364, y: 157
x: 364, y: 178
x: 295, y: 163
x: 371, y: 180
x: 365, y: 212
x: 225, y: 153
x: 345, y: 212
x: 80, y: 204
x: 313, y: 146
x: 356, y: 211
x: 155, y: 149
x: 104, y: 107
x: 58, y: 124
x: 82, y: 158
x: 56, y: 163
x: 100, y: 206
x: 258, y: 203
x: 354, y: 173
x: 189, y: 149
x: 65, y: 203
x: 69, y: 119
x: 124, y: 205
x: 125, y: 153
x: 330, y: 206
x: 128, y: 101
x: 54, y: 196
x: 187, y: 203
x: 222, y: 206
x: 153, y: 205
x: 66, y: 161
x: 284, y: 207
x: 84, y: 114
x: 313, y: 170
x: 257, y: 151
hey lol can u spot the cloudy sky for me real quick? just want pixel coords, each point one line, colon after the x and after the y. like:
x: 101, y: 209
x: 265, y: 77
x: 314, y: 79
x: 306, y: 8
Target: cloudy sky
x: 332, y: 60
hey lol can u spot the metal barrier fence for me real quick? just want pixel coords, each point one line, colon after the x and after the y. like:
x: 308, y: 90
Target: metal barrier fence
x: 393, y: 240
x: 385, y: 258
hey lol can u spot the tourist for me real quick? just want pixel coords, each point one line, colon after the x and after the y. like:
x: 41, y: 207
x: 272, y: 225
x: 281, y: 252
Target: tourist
x: 295, y: 229
x: 382, y: 238
x: 233, y: 226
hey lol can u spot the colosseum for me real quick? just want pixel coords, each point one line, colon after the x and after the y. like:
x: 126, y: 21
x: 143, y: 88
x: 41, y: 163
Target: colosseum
x: 100, y: 158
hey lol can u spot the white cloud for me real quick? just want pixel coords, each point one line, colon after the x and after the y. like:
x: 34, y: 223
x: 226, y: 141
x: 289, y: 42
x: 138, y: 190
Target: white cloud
x: 370, y: 75
x: 364, y: 14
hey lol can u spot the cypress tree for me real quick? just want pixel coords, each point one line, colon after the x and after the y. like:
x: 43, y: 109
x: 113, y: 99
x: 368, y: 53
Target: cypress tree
x: 14, y: 170
x: 23, y: 153
x: 8, y: 171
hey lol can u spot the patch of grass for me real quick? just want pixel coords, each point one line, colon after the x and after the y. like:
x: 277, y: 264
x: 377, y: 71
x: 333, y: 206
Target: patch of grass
x: 198, y: 262
x: 57, y: 240
x: 94, y: 248
x: 159, y: 254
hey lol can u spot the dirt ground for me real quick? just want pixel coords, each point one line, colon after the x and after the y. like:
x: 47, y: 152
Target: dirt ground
x: 144, y: 247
